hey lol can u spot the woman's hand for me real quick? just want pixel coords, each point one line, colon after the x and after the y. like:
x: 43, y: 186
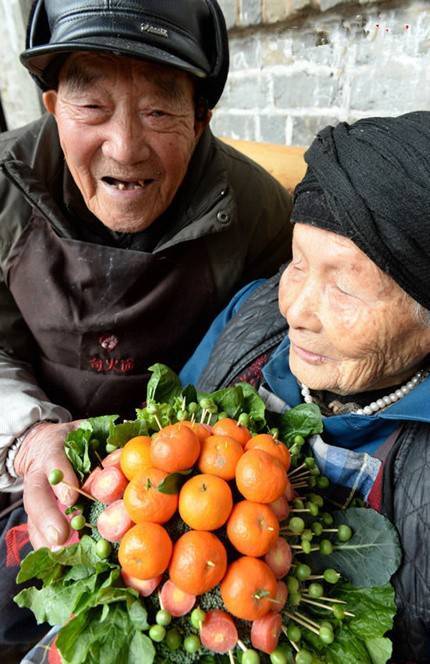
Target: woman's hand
x: 41, y: 451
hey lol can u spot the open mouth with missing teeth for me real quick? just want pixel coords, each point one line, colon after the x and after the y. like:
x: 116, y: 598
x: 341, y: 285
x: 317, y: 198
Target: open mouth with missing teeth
x: 126, y: 184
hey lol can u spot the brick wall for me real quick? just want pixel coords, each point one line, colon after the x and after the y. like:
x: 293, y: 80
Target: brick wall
x: 297, y: 65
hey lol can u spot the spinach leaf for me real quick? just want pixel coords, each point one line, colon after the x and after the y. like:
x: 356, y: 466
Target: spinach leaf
x: 79, y: 442
x: 163, y: 385
x: 141, y: 649
x: 120, y: 434
x: 101, y: 426
x: 253, y: 405
x: 173, y: 482
x: 55, y: 603
x: 347, y: 649
x: 380, y: 650
x: 76, y: 447
x: 229, y: 400
x: 371, y: 556
x: 302, y: 420
x: 373, y: 609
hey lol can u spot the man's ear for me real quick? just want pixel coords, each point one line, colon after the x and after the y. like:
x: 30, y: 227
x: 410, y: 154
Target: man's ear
x: 49, y: 99
x: 201, y: 122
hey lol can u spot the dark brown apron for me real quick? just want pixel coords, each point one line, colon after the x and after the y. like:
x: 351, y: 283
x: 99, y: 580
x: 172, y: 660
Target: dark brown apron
x: 102, y: 315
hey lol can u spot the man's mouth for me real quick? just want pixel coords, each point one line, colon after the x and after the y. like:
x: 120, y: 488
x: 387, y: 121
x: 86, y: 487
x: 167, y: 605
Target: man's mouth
x: 123, y: 185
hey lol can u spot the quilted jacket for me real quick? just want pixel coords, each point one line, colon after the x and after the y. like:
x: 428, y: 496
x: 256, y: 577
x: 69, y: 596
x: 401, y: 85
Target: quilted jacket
x: 255, y: 333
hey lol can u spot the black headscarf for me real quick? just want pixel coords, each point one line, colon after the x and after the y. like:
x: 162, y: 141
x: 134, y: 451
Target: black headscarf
x: 370, y: 182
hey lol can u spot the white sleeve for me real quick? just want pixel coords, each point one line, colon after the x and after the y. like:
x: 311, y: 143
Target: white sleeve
x: 22, y: 404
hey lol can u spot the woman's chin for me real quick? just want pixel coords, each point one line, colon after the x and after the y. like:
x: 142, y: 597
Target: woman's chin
x: 314, y: 377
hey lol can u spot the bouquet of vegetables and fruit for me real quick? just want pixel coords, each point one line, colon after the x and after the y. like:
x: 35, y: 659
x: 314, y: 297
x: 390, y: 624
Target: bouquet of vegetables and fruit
x: 206, y: 533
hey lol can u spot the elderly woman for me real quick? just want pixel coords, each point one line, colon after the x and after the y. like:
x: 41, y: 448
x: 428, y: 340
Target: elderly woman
x: 355, y: 299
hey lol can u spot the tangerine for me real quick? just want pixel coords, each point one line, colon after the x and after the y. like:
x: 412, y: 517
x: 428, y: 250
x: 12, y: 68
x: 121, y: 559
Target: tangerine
x: 145, y: 551
x: 175, y: 447
x: 199, y: 562
x: 266, y: 442
x: 248, y: 588
x: 135, y: 456
x: 260, y: 477
x: 205, y: 502
x: 252, y: 528
x: 228, y: 427
x: 201, y: 430
x: 144, y: 502
x: 219, y: 456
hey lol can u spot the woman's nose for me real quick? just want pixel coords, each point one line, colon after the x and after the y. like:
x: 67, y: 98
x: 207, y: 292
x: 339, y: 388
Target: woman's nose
x: 301, y: 306
x: 125, y: 140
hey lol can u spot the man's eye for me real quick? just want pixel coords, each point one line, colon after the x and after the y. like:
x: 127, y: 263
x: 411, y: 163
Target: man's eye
x: 157, y: 114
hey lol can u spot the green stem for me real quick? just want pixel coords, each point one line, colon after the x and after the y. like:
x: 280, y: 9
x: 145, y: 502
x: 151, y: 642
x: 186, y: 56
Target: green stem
x: 329, y: 599
x: 293, y: 643
x: 293, y: 616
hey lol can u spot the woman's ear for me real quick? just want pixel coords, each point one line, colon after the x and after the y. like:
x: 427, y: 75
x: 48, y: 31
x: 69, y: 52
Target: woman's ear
x: 49, y: 99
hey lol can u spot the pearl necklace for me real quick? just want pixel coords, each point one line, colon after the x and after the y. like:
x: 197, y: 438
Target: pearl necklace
x: 383, y: 402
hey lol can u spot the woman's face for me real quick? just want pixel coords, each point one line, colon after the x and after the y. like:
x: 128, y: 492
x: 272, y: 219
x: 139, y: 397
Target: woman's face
x: 352, y: 328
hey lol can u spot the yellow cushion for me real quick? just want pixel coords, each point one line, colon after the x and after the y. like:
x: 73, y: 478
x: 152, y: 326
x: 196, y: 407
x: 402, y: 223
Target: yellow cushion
x: 284, y: 162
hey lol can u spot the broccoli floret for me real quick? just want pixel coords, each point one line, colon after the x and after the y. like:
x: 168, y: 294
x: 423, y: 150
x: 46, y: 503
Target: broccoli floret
x: 176, y: 527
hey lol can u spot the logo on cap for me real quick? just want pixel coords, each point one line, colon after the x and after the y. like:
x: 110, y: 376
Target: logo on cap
x: 154, y: 30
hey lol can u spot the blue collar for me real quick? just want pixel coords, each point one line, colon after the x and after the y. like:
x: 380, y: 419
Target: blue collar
x: 363, y: 433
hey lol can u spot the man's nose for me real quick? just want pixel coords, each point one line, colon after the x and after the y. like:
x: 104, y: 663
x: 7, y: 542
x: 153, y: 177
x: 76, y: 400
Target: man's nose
x: 302, y: 307
x: 126, y: 141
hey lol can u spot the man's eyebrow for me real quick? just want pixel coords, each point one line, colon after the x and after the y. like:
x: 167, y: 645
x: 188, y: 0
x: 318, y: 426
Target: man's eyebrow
x: 79, y: 78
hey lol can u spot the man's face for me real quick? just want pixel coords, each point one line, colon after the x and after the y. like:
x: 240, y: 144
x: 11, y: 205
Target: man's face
x: 127, y: 129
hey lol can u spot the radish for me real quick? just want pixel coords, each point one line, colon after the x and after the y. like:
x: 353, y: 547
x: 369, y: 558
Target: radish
x: 88, y: 482
x: 108, y: 485
x: 281, y: 596
x: 281, y: 508
x: 218, y: 632
x: 112, y: 459
x: 114, y: 522
x: 176, y: 601
x: 144, y: 587
x: 265, y: 632
x: 279, y: 558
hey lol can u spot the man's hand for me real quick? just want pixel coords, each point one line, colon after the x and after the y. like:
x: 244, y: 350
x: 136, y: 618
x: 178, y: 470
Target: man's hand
x: 41, y: 451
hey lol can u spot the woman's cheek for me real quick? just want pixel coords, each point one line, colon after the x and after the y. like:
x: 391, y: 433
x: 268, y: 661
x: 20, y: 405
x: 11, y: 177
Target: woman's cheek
x: 345, y: 311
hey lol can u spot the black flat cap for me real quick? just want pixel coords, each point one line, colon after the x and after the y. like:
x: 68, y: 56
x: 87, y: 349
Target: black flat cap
x: 190, y: 35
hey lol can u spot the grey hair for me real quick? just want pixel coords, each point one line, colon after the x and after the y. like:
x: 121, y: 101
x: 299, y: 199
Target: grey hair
x: 420, y: 313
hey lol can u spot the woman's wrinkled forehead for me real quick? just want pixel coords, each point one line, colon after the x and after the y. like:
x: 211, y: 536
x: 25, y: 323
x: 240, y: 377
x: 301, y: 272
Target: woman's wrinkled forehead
x: 335, y: 257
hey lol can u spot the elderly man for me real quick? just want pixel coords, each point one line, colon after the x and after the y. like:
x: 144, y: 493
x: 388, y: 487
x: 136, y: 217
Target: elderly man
x: 125, y: 226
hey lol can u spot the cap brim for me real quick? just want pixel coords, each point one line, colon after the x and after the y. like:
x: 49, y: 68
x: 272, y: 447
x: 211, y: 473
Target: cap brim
x: 38, y: 59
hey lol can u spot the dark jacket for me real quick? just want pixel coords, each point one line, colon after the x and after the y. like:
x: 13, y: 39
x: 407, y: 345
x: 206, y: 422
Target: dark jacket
x: 227, y: 224
x: 239, y: 354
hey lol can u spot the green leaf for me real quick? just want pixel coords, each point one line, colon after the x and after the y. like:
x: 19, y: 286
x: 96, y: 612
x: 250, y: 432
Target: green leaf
x: 141, y: 649
x: 253, y: 405
x: 86, y: 640
x: 347, y: 649
x: 229, y: 400
x: 120, y: 434
x: 373, y: 609
x: 189, y: 393
x: 76, y: 447
x: 101, y: 426
x: 163, y: 385
x: 302, y: 420
x: 138, y: 615
x: 380, y: 650
x: 39, y: 564
x: 373, y: 553
x: 55, y: 603
x: 173, y: 482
